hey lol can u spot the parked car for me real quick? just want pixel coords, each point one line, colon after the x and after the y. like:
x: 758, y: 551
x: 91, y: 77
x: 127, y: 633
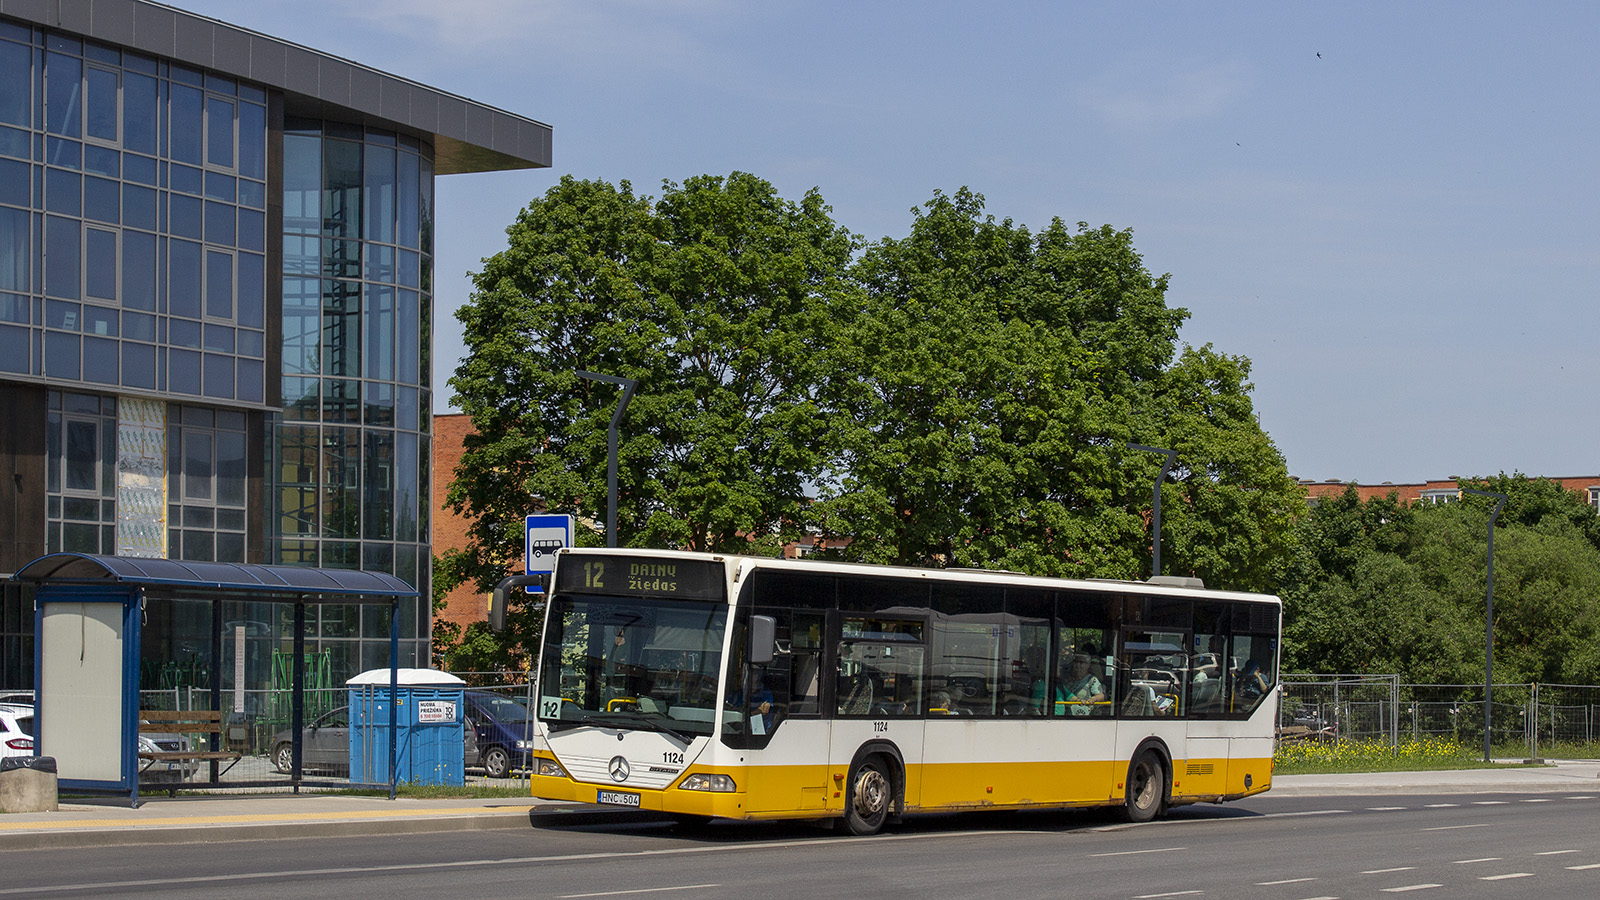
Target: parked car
x: 325, y: 745
x: 504, y: 731
x: 16, y: 730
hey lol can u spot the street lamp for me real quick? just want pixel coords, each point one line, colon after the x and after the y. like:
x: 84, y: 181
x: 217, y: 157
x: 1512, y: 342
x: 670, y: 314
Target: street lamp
x: 1155, y: 523
x: 1488, y: 623
x: 628, y: 385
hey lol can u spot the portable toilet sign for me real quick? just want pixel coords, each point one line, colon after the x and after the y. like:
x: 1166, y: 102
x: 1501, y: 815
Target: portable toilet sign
x: 546, y: 535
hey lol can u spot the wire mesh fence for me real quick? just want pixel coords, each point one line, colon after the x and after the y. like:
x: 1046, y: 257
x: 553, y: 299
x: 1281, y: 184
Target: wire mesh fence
x: 1526, y: 720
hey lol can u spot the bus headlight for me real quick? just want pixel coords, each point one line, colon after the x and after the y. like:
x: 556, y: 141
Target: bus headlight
x: 551, y: 769
x: 718, y: 783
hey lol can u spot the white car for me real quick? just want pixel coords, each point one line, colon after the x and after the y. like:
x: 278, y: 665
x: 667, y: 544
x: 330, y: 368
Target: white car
x: 16, y: 730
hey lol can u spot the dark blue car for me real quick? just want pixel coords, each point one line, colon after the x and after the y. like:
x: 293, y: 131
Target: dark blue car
x: 505, y: 732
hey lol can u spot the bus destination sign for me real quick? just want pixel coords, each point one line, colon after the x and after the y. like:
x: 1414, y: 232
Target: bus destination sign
x: 689, y: 579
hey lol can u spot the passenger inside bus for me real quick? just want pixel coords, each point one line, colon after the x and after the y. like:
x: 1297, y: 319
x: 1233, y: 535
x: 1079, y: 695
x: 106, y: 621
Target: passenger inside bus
x: 1080, y: 692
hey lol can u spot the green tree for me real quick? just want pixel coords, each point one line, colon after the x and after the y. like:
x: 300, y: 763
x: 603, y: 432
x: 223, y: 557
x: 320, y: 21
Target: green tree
x: 993, y: 378
x: 718, y: 298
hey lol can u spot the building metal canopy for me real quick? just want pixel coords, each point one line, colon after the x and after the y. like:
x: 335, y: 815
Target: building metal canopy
x: 89, y: 568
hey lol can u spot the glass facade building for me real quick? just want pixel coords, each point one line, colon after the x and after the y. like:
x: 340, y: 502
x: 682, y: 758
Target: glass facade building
x: 216, y: 305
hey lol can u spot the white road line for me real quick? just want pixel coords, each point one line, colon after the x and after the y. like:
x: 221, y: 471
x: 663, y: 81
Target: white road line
x: 1441, y: 805
x: 1172, y: 894
x: 1462, y: 862
x: 1137, y: 852
x: 1410, y: 887
x: 1555, y: 852
x: 1285, y: 881
x: 1320, y: 898
x: 1505, y: 876
x: 1584, y: 868
x: 1307, y: 812
x: 1537, y: 800
x: 681, y: 887
x: 1579, y: 797
x: 1490, y: 802
x: 1454, y: 827
x: 1387, y: 871
x: 1384, y: 808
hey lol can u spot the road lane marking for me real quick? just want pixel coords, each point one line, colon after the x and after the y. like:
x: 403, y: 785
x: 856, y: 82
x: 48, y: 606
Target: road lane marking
x: 1505, y: 876
x: 1454, y: 827
x: 681, y: 887
x: 1320, y: 898
x: 1462, y: 862
x: 1387, y: 871
x: 1555, y: 852
x: 1583, y: 868
x: 1172, y: 894
x: 1307, y: 812
x: 1441, y: 805
x: 1385, y: 808
x: 1579, y: 797
x: 1410, y: 887
x: 1490, y: 802
x: 1136, y: 852
x: 1285, y: 881
x: 1537, y: 800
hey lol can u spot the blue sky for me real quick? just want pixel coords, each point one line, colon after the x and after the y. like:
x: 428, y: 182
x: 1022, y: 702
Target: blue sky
x: 1392, y: 209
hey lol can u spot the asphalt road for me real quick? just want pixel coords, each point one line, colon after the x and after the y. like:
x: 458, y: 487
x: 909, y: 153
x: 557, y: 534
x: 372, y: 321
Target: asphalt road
x: 1458, y: 846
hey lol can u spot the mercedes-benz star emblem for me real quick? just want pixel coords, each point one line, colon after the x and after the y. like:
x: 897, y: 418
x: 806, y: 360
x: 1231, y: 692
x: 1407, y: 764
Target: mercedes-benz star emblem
x: 618, y: 769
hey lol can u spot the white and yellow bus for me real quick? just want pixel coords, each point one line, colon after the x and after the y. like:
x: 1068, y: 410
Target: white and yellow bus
x: 707, y: 685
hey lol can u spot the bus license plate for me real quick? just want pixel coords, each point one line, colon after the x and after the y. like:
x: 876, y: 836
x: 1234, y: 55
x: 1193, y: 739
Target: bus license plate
x: 618, y: 798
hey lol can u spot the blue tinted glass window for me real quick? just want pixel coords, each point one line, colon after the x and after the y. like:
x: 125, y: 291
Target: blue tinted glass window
x: 61, y: 355
x: 140, y: 113
x: 251, y: 386
x: 187, y: 179
x: 425, y: 205
x: 252, y: 194
x: 379, y: 323
x: 139, y: 206
x: 406, y: 484
x: 102, y: 161
x: 378, y: 401
x: 16, y: 71
x: 302, y: 184
x: 14, y: 343
x: 252, y: 284
x: 100, y: 264
x: 14, y: 308
x: 186, y: 216
x: 252, y: 230
x: 380, y: 263
x: 219, y: 338
x: 139, y: 365
x: 15, y: 142
x: 405, y: 407
x: 62, y: 252
x: 63, y: 191
x: 186, y: 111
x: 101, y: 104
x: 302, y: 325
x: 14, y: 255
x: 139, y: 271
x: 184, y: 263
x: 378, y: 489
x: 341, y: 199
x: 99, y: 320
x: 408, y: 340
x: 252, y: 140
x: 406, y: 202
x: 219, y: 187
x: 219, y: 285
x: 62, y: 315
x: 341, y: 328
x: 100, y: 360
x: 219, y: 132
x: 379, y: 216
x: 14, y: 181
x: 183, y: 333
x: 300, y: 398
x: 183, y: 371
x: 408, y: 271
x: 139, y: 168
x: 64, y: 153
x: 252, y: 344
x: 63, y: 98
x: 138, y: 326
x: 219, y: 223
x: 219, y: 376
x: 100, y: 199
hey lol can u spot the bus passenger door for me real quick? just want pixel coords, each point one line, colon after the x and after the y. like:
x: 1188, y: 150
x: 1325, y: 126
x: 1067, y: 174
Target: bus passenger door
x: 879, y: 694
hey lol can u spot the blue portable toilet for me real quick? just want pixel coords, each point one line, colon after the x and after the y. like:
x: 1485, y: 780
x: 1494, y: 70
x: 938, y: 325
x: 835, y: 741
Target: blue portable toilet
x: 428, y: 709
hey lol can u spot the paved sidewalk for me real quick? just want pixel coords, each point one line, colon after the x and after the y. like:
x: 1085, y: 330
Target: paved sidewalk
x: 222, y: 817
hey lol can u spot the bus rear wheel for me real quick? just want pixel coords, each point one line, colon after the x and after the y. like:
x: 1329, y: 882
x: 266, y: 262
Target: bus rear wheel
x: 1146, y: 793
x: 866, y: 803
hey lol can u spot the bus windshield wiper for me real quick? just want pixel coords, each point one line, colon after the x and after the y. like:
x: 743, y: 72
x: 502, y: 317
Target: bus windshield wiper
x: 636, y: 720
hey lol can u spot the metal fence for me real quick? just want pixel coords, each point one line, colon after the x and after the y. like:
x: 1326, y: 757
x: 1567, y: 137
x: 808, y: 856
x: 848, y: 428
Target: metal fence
x: 1528, y: 720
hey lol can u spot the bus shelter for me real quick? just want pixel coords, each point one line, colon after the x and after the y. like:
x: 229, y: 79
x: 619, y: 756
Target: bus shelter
x: 90, y: 613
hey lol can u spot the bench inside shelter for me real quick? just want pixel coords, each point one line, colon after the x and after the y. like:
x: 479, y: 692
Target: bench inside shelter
x: 194, y: 722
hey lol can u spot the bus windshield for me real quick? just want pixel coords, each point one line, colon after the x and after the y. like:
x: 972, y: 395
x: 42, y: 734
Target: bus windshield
x: 633, y: 663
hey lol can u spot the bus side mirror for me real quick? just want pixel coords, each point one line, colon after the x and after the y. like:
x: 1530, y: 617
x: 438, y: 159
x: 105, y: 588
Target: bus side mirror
x: 497, y: 600
x: 763, y: 637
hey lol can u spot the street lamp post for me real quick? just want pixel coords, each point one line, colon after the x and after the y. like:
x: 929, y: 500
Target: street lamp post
x: 1488, y: 625
x: 1155, y: 517
x: 628, y: 385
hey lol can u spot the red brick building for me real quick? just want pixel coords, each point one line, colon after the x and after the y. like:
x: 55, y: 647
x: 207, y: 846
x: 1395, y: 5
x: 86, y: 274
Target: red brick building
x: 464, y: 604
x: 1442, y: 491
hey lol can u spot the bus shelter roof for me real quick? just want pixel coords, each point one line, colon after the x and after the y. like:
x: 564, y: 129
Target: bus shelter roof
x: 280, y: 583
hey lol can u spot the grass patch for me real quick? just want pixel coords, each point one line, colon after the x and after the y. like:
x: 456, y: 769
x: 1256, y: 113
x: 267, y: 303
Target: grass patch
x: 1429, y: 754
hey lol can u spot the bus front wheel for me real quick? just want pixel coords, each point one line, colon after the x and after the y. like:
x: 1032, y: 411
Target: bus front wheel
x: 1146, y: 788
x: 866, y: 804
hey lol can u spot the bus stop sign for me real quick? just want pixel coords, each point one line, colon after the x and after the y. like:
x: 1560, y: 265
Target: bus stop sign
x: 546, y: 535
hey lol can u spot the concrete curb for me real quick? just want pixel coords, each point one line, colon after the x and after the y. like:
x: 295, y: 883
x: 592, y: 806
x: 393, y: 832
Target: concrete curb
x: 133, y: 834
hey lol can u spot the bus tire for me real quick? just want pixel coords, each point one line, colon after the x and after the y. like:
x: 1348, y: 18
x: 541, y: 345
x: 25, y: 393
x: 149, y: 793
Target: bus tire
x: 1146, y: 793
x: 869, y: 796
